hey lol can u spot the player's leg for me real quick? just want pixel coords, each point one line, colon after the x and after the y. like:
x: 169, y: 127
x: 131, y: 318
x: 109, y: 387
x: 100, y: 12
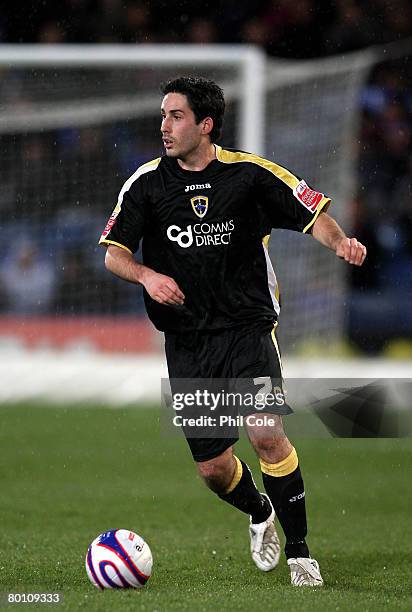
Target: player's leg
x: 231, y: 479
x: 283, y: 483
x: 281, y: 473
x: 197, y: 359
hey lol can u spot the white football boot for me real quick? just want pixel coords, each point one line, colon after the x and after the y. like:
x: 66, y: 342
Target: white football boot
x: 264, y: 542
x: 305, y: 572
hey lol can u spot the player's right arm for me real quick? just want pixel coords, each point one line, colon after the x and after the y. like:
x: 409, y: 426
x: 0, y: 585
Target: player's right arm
x: 123, y: 233
x: 161, y: 288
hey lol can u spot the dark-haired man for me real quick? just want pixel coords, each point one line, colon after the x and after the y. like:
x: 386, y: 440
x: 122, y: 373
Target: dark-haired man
x: 205, y: 214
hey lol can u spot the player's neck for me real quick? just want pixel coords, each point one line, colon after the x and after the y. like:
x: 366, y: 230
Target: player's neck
x: 198, y: 159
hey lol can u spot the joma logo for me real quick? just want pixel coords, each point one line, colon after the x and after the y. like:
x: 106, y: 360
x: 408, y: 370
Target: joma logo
x: 196, y: 187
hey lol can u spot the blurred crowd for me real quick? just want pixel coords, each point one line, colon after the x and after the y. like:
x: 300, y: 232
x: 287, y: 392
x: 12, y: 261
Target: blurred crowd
x: 298, y: 28
x: 382, y: 209
x: 58, y: 187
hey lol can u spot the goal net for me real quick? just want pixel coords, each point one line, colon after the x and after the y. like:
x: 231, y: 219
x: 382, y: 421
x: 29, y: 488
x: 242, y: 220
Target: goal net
x: 312, y: 111
x: 75, y: 123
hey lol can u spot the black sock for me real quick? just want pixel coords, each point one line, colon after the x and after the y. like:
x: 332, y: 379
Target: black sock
x: 287, y: 495
x: 246, y: 497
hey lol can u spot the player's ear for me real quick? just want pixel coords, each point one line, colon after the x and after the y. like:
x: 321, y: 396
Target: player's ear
x: 207, y: 126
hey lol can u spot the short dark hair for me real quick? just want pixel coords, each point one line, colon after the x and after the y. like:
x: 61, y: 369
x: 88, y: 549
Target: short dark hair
x: 204, y: 97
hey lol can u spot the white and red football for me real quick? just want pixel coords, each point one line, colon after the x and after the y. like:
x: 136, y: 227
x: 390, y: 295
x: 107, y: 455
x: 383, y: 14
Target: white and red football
x: 119, y: 559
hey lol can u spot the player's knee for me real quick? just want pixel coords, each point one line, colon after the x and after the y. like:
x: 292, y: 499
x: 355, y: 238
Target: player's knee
x: 272, y: 449
x: 264, y: 444
x: 213, y: 472
x: 217, y: 472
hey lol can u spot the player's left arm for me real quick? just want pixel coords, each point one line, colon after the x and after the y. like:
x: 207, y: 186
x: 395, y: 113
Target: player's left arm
x: 329, y: 233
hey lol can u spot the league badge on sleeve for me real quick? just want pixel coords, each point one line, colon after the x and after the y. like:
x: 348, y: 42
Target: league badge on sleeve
x: 200, y: 205
x: 307, y: 196
x: 110, y: 223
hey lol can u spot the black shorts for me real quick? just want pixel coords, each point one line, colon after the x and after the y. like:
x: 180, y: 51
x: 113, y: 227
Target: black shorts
x: 230, y: 354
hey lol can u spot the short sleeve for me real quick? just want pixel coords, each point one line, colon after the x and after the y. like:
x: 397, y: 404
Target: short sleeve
x: 125, y: 227
x: 288, y: 201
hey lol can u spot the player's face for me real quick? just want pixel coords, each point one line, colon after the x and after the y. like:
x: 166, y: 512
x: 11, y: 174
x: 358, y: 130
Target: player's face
x: 181, y: 134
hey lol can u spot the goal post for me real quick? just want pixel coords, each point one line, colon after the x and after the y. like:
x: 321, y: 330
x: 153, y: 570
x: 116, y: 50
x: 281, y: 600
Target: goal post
x: 76, y: 121
x: 248, y: 60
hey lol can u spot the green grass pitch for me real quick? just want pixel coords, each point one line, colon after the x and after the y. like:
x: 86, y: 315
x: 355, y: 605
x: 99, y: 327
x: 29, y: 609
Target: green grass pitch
x: 70, y: 473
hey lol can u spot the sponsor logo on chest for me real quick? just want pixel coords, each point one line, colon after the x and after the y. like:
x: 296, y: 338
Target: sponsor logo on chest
x: 202, y: 234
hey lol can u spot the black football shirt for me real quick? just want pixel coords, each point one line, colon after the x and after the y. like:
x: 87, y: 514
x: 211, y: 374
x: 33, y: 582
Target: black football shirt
x: 209, y: 230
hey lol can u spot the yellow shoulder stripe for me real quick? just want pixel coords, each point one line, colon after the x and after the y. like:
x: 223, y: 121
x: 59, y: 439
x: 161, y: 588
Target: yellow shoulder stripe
x: 147, y: 167
x: 234, y: 157
x: 152, y: 162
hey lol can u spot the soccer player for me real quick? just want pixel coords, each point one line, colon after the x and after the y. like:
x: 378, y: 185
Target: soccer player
x: 204, y: 214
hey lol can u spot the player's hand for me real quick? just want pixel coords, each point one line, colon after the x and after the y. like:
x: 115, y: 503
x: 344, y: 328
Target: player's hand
x: 163, y: 289
x: 352, y: 251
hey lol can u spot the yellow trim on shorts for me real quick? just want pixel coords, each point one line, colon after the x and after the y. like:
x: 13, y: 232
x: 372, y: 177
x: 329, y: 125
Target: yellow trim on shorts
x: 275, y: 343
x: 283, y: 468
x: 236, y: 478
x: 265, y: 241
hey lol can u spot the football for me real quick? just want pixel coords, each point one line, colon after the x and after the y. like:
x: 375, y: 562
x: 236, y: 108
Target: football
x: 119, y: 559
